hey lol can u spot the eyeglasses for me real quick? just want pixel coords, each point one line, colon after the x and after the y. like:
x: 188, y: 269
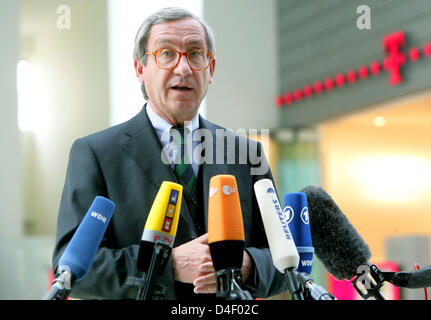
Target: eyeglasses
x: 168, y: 59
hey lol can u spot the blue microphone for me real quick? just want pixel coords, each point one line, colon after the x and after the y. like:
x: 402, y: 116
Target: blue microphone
x: 81, y: 250
x: 298, y: 219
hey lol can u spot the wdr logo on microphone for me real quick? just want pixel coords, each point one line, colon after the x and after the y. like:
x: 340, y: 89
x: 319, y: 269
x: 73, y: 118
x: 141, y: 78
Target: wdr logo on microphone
x: 307, y: 263
x: 98, y: 216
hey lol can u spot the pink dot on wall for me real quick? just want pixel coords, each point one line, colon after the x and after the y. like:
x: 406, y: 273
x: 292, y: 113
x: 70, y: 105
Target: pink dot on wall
x: 287, y: 97
x: 318, y: 87
x: 375, y: 67
x: 308, y: 91
x: 427, y: 49
x: 297, y: 94
x: 414, y: 54
x: 351, y: 76
x: 278, y: 101
x: 340, y: 79
x: 363, y: 72
x: 329, y: 84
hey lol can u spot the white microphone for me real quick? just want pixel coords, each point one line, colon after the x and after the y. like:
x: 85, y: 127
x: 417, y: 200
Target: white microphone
x: 283, y: 250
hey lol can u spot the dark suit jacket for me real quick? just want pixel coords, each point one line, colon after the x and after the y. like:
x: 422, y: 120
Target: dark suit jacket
x: 123, y: 163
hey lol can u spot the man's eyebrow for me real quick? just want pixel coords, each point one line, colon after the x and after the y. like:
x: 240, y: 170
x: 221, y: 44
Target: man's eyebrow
x: 192, y: 42
x: 163, y: 40
x: 195, y: 42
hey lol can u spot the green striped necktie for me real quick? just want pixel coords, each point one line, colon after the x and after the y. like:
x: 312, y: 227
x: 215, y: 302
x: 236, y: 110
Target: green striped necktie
x: 184, y: 169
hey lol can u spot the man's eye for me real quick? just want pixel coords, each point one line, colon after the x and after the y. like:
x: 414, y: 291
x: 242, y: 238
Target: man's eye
x: 166, y: 53
x: 195, y: 53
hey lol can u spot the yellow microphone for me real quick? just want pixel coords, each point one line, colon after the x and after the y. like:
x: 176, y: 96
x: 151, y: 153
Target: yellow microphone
x: 162, y: 222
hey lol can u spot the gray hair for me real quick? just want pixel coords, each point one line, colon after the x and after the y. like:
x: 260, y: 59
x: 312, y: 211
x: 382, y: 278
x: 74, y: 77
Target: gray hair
x: 161, y: 16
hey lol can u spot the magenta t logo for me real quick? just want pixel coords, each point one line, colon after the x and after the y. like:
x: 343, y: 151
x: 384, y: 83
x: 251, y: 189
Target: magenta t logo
x: 392, y: 44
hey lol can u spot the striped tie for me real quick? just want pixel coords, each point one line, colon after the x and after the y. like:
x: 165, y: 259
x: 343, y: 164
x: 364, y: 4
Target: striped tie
x: 184, y: 169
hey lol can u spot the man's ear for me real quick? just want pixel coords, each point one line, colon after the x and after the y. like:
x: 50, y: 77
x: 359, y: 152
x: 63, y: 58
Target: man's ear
x: 139, y: 70
x: 212, y: 69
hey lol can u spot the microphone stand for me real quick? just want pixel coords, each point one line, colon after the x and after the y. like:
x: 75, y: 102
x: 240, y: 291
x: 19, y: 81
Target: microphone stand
x: 227, y: 282
x: 148, y: 288
x: 61, y: 287
x: 293, y: 285
x: 372, y: 289
x: 313, y: 291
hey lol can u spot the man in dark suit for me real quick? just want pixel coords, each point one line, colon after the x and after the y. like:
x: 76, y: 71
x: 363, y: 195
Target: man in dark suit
x: 175, y: 62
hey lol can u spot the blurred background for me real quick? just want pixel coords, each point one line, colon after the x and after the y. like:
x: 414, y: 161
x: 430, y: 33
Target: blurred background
x: 66, y: 71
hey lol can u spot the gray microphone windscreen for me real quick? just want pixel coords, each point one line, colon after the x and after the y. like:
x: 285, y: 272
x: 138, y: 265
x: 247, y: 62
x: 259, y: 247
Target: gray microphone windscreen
x: 336, y: 242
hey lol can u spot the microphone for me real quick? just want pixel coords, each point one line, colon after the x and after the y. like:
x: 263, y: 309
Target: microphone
x: 283, y: 250
x: 158, y: 239
x: 413, y: 280
x: 79, y: 254
x: 337, y: 244
x: 226, y: 237
x: 296, y: 212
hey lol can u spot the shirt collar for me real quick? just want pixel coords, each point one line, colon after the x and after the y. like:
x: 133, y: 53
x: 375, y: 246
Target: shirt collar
x: 161, y: 124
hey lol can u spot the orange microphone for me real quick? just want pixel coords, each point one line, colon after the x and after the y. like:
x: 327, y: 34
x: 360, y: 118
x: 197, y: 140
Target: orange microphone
x: 226, y: 236
x: 225, y: 225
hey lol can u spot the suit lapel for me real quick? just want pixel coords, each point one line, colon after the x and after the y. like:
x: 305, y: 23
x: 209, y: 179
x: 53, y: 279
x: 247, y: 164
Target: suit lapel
x: 145, y: 148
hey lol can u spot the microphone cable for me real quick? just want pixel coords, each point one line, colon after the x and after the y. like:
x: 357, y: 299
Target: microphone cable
x: 416, y: 267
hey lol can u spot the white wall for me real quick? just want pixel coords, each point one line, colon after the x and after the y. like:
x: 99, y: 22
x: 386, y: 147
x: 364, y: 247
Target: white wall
x: 72, y: 97
x: 246, y: 63
x: 67, y: 98
x: 10, y: 168
x: 11, y: 216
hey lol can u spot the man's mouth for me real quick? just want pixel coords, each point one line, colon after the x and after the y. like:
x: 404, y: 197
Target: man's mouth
x: 181, y: 88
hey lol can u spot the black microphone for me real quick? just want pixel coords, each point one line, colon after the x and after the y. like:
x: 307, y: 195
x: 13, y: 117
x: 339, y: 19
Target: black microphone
x: 412, y: 280
x: 337, y: 244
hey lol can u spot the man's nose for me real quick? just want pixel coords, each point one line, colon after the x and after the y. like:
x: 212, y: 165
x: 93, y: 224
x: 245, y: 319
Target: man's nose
x: 183, y: 67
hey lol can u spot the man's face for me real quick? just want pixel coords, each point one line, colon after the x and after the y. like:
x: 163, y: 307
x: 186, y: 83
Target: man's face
x: 175, y: 94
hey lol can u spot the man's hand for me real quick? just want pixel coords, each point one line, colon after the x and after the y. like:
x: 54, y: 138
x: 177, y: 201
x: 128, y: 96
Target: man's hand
x: 192, y: 263
x: 247, y: 266
x: 206, y: 282
x: 188, y: 257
